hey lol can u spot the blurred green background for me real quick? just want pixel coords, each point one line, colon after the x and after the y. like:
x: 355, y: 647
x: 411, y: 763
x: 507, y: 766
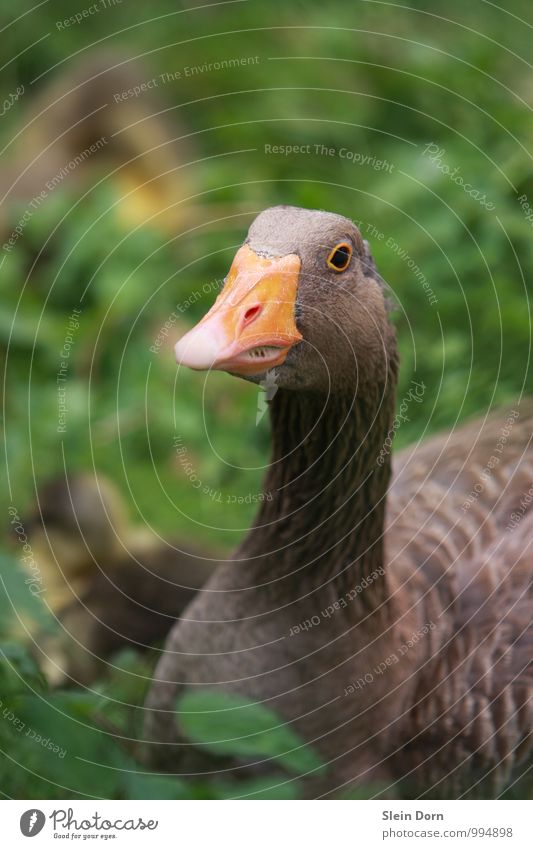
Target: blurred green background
x: 377, y: 82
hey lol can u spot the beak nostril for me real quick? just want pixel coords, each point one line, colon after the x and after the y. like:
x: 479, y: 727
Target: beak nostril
x: 251, y: 314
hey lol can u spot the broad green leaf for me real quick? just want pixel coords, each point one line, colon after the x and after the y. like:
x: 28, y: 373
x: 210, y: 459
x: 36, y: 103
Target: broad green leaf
x: 139, y: 786
x: 228, y: 724
x: 275, y: 787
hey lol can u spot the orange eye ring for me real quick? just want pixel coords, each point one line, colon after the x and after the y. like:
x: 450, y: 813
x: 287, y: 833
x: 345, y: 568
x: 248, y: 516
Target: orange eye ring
x: 340, y: 257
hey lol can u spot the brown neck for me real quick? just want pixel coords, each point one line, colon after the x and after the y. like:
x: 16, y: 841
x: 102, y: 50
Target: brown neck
x: 325, y: 519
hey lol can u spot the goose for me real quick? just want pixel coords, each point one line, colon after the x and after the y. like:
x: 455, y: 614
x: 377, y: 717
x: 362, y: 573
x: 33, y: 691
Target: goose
x: 106, y: 116
x: 110, y: 584
x: 383, y: 612
x: 80, y: 126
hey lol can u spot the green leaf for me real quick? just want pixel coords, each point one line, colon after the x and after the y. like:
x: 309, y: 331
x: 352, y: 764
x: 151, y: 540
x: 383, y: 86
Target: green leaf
x: 366, y: 791
x: 139, y: 786
x: 274, y: 787
x: 228, y: 724
x: 17, y: 599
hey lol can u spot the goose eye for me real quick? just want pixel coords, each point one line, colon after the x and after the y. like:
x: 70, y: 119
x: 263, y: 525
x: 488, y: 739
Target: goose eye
x: 340, y: 256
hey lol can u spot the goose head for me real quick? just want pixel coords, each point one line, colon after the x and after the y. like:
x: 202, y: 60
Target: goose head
x: 302, y: 301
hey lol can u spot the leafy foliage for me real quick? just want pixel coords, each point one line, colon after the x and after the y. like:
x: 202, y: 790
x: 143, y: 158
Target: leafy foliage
x: 84, y: 743
x: 227, y: 724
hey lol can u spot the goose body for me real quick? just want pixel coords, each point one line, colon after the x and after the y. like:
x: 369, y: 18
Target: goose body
x: 385, y: 614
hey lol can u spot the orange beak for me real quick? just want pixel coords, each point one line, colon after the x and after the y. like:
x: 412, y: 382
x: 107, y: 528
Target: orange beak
x: 251, y: 326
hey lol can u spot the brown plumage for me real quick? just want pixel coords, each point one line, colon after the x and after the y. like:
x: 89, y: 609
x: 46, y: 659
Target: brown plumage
x: 110, y: 584
x: 386, y: 616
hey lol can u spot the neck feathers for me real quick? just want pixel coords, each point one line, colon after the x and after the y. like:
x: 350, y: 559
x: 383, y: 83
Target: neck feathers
x: 327, y: 481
